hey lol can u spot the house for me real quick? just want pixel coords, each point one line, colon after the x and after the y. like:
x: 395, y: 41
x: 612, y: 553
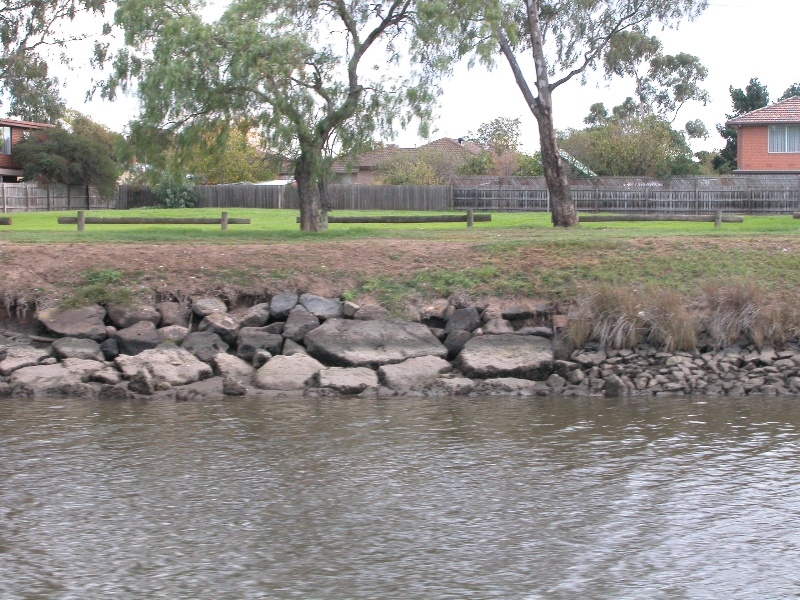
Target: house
x: 365, y: 169
x: 11, y: 132
x: 768, y: 139
x: 451, y: 151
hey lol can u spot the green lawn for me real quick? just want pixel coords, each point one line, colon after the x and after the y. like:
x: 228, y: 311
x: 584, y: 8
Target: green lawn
x: 280, y: 225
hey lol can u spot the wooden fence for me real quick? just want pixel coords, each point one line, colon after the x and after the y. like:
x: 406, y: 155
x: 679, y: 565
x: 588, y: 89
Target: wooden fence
x: 32, y: 197
x: 690, y: 195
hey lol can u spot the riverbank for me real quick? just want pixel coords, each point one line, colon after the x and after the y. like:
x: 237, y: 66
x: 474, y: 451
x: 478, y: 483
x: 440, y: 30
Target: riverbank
x: 312, y: 345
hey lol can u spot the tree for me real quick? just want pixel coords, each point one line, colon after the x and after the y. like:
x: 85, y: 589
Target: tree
x: 566, y: 39
x: 753, y: 96
x: 28, y: 29
x: 58, y: 155
x: 633, y: 145
x: 427, y: 166
x: 791, y: 91
x: 499, y: 135
x: 319, y: 78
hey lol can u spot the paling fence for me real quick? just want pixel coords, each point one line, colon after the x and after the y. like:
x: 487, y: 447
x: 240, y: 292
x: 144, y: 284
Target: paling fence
x: 33, y: 197
x: 751, y: 194
x: 769, y: 194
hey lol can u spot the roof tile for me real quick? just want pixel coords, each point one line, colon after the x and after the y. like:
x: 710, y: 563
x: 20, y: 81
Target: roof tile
x: 786, y: 111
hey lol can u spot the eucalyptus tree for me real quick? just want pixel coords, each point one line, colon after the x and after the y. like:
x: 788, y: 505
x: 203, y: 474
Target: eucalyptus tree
x: 318, y: 77
x: 29, y: 30
x: 566, y: 39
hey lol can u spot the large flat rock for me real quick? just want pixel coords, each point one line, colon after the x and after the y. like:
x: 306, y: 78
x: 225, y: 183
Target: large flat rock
x: 506, y: 355
x: 350, y: 343
x: 85, y: 322
x: 287, y: 372
x: 166, y: 363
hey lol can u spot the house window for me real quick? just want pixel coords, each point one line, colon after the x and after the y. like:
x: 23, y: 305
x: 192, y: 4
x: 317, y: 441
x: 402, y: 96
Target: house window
x: 5, y: 140
x: 784, y: 138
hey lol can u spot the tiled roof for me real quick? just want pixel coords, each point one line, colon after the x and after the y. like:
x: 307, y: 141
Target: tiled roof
x: 786, y: 111
x: 25, y: 124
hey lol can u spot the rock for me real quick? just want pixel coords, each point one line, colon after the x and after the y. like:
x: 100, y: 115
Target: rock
x: 261, y: 357
x: 287, y: 372
x: 347, y: 380
x: 167, y: 363
x: 173, y: 313
x: 224, y: 325
x: 110, y: 349
x: 86, y: 322
x: 615, y: 387
x: 351, y: 343
x: 137, y: 338
x: 251, y: 339
x: 556, y: 381
x: 281, y: 304
x: 174, y: 334
x: 204, y: 345
x: 203, y: 307
x: 413, y: 372
x: 349, y: 309
x: 506, y: 355
x: 290, y: 347
x: 446, y: 386
x: 497, y: 326
x: 19, y: 357
x: 506, y: 386
x: 544, y: 332
x: 69, y: 347
x: 767, y: 356
x: 45, y: 379
x: 226, y: 365
x: 467, y: 319
x: 436, y: 310
x: 371, y: 312
x: 256, y: 316
x: 107, y: 376
x: 587, y: 359
x: 233, y: 387
x: 125, y: 315
x: 323, y: 308
x: 518, y: 312
x: 299, y: 323
x: 454, y: 342
x: 142, y: 382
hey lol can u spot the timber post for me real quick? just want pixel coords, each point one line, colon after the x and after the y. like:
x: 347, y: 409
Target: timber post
x: 470, y: 218
x: 718, y: 219
x: 224, y: 221
x: 81, y: 220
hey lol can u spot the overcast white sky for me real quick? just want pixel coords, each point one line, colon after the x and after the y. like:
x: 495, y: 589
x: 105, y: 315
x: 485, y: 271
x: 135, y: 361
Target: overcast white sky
x: 734, y: 39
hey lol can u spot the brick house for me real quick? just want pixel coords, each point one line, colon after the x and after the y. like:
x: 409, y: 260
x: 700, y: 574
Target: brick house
x: 11, y: 132
x: 768, y: 139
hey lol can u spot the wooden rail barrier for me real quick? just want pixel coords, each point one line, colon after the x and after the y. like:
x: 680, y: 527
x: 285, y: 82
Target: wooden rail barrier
x: 717, y: 218
x: 82, y: 220
x: 5, y: 220
x: 469, y: 218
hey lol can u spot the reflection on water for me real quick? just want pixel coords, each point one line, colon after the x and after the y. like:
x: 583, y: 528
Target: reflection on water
x: 343, y: 498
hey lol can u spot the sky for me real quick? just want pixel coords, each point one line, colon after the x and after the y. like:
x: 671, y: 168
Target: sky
x: 736, y: 40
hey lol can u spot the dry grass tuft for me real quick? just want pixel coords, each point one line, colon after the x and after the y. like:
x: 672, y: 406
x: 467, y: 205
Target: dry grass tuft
x: 669, y: 322
x: 610, y: 316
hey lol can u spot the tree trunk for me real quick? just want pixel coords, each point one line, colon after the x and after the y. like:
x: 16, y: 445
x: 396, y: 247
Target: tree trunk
x: 324, y: 203
x: 562, y: 208
x: 305, y: 174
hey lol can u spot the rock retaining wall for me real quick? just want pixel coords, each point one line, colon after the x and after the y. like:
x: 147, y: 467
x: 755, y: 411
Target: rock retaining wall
x: 321, y: 346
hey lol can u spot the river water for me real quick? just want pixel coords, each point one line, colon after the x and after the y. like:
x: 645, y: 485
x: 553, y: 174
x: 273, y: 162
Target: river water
x: 401, y: 498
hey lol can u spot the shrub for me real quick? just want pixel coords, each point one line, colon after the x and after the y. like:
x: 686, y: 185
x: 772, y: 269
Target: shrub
x: 172, y: 193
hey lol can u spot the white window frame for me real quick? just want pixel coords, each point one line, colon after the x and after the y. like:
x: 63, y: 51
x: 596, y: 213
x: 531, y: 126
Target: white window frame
x: 783, y: 139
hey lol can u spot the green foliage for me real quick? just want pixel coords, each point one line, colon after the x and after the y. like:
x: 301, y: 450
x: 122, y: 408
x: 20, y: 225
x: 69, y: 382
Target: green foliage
x: 427, y: 166
x: 631, y: 145
x: 175, y: 193
x: 478, y: 164
x: 753, y: 96
x: 500, y: 135
x: 100, y: 286
x: 68, y: 157
x: 791, y: 91
x: 27, y: 27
